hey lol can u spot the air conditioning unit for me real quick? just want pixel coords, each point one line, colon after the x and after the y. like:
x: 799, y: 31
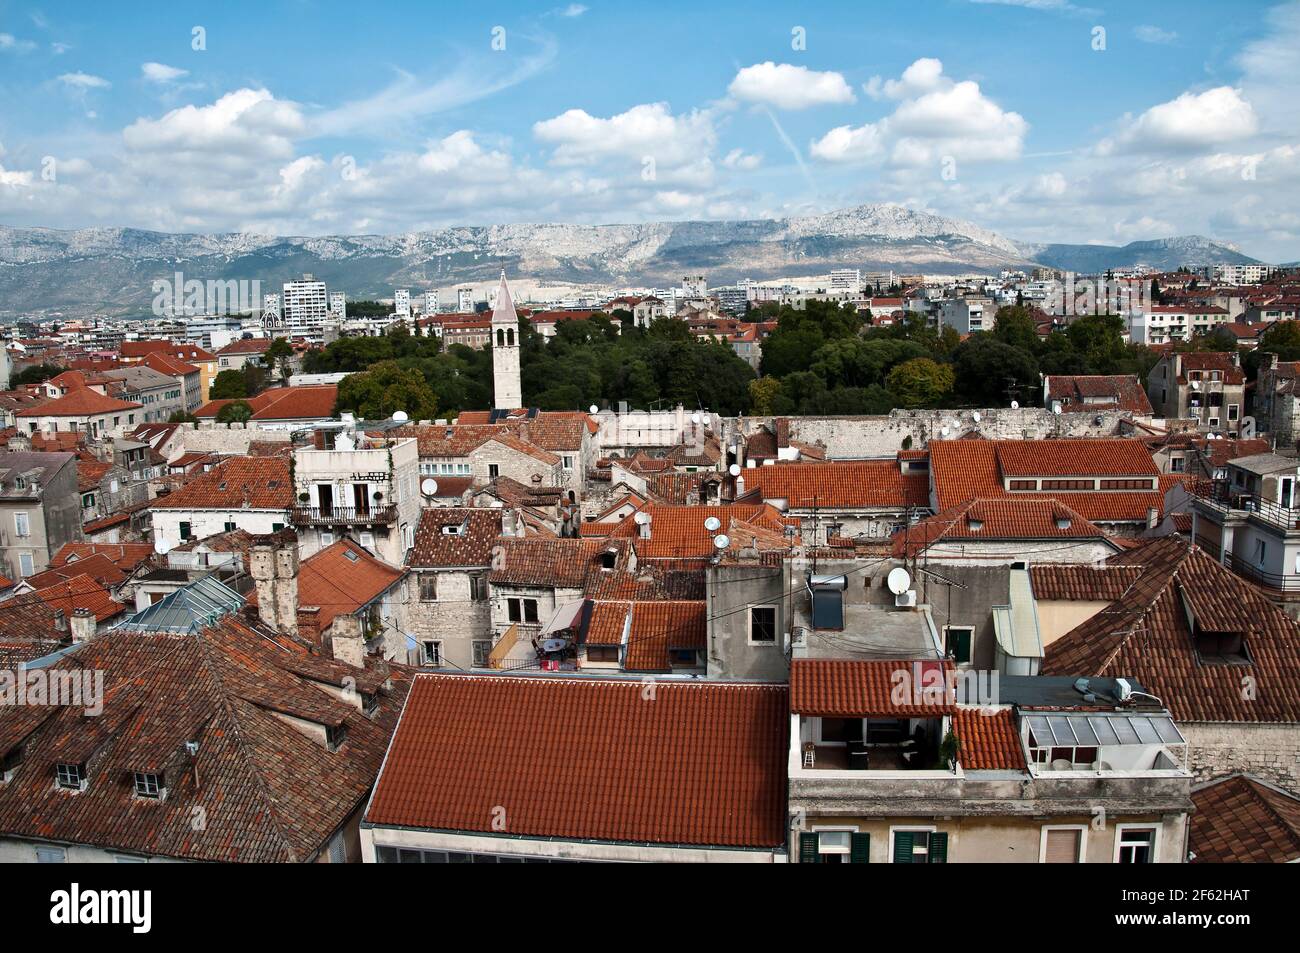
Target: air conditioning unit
x: 905, y: 600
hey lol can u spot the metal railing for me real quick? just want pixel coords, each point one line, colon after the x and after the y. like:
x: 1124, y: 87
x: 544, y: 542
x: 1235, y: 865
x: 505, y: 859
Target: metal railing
x: 336, y: 515
x: 1222, y: 496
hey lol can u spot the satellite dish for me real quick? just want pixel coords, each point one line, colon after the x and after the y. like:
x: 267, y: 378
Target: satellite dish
x: 1056, y: 409
x: 695, y: 418
x: 428, y: 486
x: 975, y: 416
x: 943, y: 431
x: 713, y: 524
x: 553, y: 645
x: 898, y: 580
x: 1015, y: 405
x: 399, y: 416
x: 721, y: 541
x: 641, y: 518
x: 1196, y: 385
x: 161, y: 546
x: 734, y: 469
x: 594, y: 409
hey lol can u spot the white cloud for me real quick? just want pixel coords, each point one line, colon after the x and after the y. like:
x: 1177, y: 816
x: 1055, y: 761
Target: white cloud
x: 162, y: 73
x: 14, y: 179
x: 789, y: 87
x: 1154, y: 34
x: 249, y: 122
x: 739, y: 159
x: 573, y: 10
x: 1189, y: 123
x: 84, y: 81
x: 11, y: 44
x: 646, y: 131
x: 935, y: 118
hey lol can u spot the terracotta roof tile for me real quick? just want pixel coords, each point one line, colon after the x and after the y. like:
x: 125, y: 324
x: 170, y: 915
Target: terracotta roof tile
x: 1006, y: 519
x: 1240, y: 820
x: 340, y: 579
x: 78, y: 403
x: 260, y: 483
x: 1082, y: 583
x: 476, y: 532
x: 989, y: 739
x: 843, y: 688
x: 871, y: 483
x: 704, y: 764
x: 658, y: 628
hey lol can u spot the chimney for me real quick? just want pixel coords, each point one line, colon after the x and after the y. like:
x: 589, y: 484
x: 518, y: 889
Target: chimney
x: 1153, y: 518
x: 261, y: 565
x: 509, y: 522
x: 346, y: 642
x: 309, y: 623
x: 645, y: 525
x: 83, y: 625
x: 273, y: 564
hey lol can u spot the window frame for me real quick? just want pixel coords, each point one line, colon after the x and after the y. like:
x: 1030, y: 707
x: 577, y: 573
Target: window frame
x: 1083, y: 840
x: 428, y: 580
x: 1122, y: 829
x: 912, y: 829
x: 776, y: 628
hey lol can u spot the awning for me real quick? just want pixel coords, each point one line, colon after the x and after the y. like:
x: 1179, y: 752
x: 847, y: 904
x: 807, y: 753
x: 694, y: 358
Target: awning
x: 564, y: 617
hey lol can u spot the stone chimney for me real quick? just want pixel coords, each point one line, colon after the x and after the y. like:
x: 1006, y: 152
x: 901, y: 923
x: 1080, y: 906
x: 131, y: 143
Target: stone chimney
x: 309, y: 623
x: 346, y: 641
x: 83, y: 625
x: 273, y: 564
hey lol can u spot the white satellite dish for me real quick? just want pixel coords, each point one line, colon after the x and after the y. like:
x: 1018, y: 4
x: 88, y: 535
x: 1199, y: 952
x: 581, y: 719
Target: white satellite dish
x: 1015, y: 405
x: 428, y: 486
x: 943, y: 431
x: 734, y: 469
x: 594, y: 409
x: 713, y: 524
x: 1196, y: 385
x: 898, y: 580
x: 975, y: 416
x: 695, y: 418
x: 721, y: 541
x: 399, y: 416
x: 1056, y: 409
x: 161, y: 546
x: 641, y: 518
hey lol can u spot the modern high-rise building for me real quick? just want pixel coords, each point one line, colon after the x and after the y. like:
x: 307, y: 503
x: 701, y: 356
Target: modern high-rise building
x: 694, y: 286
x: 431, y: 301
x: 507, y: 391
x: 464, y: 300
x: 402, y: 303
x: 306, y: 304
x: 338, y: 306
x: 846, y: 279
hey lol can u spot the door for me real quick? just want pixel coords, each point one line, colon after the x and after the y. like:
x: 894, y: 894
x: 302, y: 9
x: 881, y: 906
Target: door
x: 361, y: 497
x: 1287, y: 492
x: 325, y: 499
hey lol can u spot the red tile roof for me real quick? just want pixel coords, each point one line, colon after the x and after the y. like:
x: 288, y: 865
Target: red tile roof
x: 270, y: 791
x: 844, y: 688
x: 471, y: 545
x: 1062, y: 458
x: 80, y: 592
x: 1082, y: 583
x: 872, y: 483
x: 1002, y: 520
x: 989, y: 739
x: 1147, y: 635
x: 1086, y: 392
x: 97, y: 566
x: 679, y: 531
x: 125, y: 555
x: 246, y: 346
x: 165, y: 363
x: 1241, y: 820
x: 340, y: 579
x: 78, y: 403
x: 703, y: 764
x: 312, y: 402
x: 553, y: 563
x: 259, y: 483
x: 658, y: 627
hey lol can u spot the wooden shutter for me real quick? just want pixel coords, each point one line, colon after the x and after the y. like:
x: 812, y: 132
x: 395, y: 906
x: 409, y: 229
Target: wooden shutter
x: 938, y: 848
x: 808, y: 853
x: 859, y: 848
x: 903, y: 842
x: 1062, y: 847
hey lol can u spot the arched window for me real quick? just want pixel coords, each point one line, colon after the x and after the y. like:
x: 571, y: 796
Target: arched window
x: 510, y: 336
x: 501, y: 338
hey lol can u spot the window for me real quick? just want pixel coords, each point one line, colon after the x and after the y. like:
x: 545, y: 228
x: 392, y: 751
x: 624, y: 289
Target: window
x: 26, y: 566
x: 683, y: 658
x: 338, y: 849
x: 762, y: 625
x: 1234, y: 411
x: 522, y: 610
x: 494, y: 471
x: 478, y: 588
x: 834, y: 847
x: 147, y: 785
x: 481, y: 648
x: 602, y: 653
x: 428, y: 587
x: 69, y: 776
x: 1135, y: 845
x: 230, y: 526
x: 51, y: 855
x: 957, y: 641
x: 431, y: 653
x: 22, y: 526
x: 568, y: 463
x: 1062, y: 844
x: 185, y: 530
x: 919, y: 846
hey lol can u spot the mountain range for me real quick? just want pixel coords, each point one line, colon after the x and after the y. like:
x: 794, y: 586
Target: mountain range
x: 112, y: 270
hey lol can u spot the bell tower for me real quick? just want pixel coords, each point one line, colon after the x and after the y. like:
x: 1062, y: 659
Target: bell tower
x: 508, y: 394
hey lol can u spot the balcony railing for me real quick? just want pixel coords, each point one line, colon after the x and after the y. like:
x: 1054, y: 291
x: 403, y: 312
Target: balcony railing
x: 1283, y: 584
x: 1224, y: 497
x: 344, y: 515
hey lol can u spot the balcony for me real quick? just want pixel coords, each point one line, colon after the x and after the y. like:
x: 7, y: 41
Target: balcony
x: 344, y: 515
x: 1220, y: 496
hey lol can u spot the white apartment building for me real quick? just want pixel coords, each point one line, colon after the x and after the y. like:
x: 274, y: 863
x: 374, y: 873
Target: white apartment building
x: 1238, y: 274
x: 846, y: 279
x: 464, y: 300
x: 1162, y: 324
x: 305, y: 304
x: 694, y: 286
x: 966, y: 315
x: 402, y: 303
x: 431, y: 301
x: 338, y: 306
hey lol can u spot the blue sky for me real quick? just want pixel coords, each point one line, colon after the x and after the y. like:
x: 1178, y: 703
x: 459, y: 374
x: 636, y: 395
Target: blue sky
x: 1044, y: 120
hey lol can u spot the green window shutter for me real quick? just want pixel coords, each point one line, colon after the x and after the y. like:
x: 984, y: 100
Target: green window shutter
x: 938, y: 848
x: 903, y: 841
x: 961, y: 646
x: 860, y: 848
x: 808, y: 853
x: 185, y: 530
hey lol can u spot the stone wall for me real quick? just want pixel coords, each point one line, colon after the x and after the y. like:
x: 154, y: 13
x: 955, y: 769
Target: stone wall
x: 218, y: 438
x: 454, y: 618
x: 1270, y: 752
x: 513, y: 464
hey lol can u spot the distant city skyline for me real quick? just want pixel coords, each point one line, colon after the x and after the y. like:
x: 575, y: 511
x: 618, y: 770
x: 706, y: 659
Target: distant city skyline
x: 1043, y: 120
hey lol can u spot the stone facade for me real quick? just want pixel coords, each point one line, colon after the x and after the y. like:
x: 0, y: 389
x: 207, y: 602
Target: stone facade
x: 1271, y: 752
x: 455, y: 617
x: 514, y: 464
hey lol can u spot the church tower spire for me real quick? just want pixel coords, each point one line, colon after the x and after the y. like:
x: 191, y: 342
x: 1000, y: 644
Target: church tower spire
x: 508, y: 394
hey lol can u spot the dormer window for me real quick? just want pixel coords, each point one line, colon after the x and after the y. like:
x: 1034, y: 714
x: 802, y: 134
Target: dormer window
x: 9, y: 763
x: 335, y: 735
x: 148, y: 785
x: 70, y: 777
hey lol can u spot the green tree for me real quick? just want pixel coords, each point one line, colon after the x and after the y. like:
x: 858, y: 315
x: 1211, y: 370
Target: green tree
x: 988, y: 370
x: 763, y: 392
x: 921, y: 382
x: 1014, y: 325
x: 277, y: 357
x: 228, y: 384
x: 387, y: 387
x: 236, y: 412
x: 36, y: 374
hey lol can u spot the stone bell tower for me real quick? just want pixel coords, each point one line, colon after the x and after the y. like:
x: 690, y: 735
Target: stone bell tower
x: 508, y: 394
